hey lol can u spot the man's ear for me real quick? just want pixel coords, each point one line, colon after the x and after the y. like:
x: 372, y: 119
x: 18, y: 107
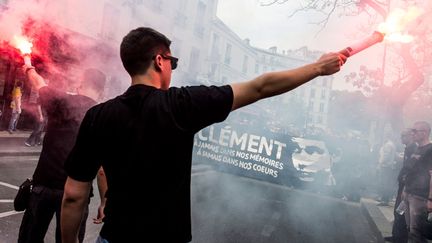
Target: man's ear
x: 157, y: 63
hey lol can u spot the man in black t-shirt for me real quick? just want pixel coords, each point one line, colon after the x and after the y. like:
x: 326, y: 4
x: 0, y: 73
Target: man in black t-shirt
x: 64, y: 112
x: 144, y: 138
x: 399, y: 229
x: 417, y: 193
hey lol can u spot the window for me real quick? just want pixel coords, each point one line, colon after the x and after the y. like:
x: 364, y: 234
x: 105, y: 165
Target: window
x: 311, y: 119
x: 311, y: 106
x: 228, y: 54
x: 214, y: 53
x: 256, y: 67
x: 199, y: 31
x: 199, y: 19
x: 319, y: 120
x: 176, y: 47
x: 201, y: 9
x: 224, y: 80
x: 323, y: 94
x: 181, y: 17
x: 213, y: 70
x: 182, y: 7
x: 321, y: 109
x: 194, y: 61
x: 245, y: 64
x: 312, y: 93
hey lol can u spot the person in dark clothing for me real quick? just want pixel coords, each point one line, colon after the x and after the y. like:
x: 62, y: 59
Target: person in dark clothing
x: 152, y: 126
x: 399, y: 230
x: 417, y: 193
x: 64, y: 112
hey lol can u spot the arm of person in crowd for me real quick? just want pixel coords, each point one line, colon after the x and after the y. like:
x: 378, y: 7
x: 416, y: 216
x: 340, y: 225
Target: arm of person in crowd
x: 275, y: 83
x: 39, y: 113
x: 429, y: 201
x: 103, y: 187
x: 403, y: 194
x: 36, y: 80
x: 75, y: 199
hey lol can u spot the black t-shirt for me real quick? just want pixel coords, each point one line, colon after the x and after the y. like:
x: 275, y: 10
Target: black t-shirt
x: 409, y: 150
x: 144, y: 141
x: 65, y: 113
x: 418, y: 166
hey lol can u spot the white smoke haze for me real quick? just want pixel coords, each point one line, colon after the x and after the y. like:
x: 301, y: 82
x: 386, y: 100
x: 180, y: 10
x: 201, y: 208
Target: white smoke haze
x: 12, y: 19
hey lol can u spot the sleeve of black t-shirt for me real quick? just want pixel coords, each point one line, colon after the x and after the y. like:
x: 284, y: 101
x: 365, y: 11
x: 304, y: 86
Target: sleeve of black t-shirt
x: 82, y: 163
x: 200, y: 106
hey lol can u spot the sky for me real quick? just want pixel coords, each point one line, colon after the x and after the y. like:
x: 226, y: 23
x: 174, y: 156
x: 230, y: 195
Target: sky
x: 268, y: 26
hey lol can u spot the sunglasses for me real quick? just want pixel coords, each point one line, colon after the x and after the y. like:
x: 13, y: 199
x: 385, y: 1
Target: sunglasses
x: 172, y: 59
x: 416, y: 131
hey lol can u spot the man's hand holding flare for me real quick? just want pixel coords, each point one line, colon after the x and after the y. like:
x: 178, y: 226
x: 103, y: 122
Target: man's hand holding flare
x: 330, y: 63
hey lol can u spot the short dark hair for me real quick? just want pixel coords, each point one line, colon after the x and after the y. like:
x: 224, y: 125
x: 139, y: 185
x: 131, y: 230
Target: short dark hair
x: 94, y: 78
x: 138, y: 48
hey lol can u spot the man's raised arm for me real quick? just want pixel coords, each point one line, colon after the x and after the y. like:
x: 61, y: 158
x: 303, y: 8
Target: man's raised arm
x: 275, y: 83
x: 36, y: 80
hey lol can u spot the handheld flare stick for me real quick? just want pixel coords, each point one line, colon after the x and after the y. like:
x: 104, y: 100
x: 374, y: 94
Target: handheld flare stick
x: 393, y: 29
x: 27, y: 59
x: 376, y: 37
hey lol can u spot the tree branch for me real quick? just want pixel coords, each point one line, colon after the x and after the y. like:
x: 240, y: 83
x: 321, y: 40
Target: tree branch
x: 273, y: 2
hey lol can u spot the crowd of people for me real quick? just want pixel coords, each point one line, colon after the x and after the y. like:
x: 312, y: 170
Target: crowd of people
x: 393, y: 174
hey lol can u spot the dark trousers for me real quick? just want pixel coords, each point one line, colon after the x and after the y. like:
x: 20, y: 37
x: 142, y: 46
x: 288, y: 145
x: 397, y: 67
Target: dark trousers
x: 13, y: 121
x: 36, y: 136
x: 416, y: 214
x: 400, y: 228
x: 386, y: 183
x: 44, y: 202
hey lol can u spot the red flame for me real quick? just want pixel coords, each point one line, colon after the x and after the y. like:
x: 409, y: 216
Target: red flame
x: 23, y: 44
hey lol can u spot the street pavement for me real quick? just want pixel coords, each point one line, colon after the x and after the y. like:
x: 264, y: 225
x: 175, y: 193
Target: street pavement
x: 13, y: 144
x: 225, y: 208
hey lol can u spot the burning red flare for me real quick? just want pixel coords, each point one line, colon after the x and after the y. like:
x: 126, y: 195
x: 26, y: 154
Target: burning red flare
x: 24, y: 45
x: 393, y: 29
